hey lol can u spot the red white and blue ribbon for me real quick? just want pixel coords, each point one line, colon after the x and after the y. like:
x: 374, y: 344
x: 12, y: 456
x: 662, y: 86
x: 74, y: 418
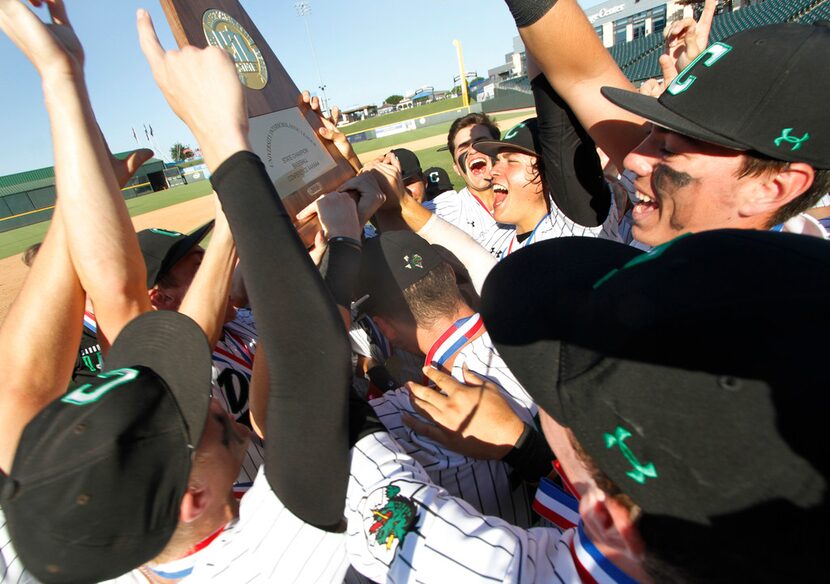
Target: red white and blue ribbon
x: 591, y: 565
x: 455, y: 337
x: 556, y: 505
x: 90, y: 322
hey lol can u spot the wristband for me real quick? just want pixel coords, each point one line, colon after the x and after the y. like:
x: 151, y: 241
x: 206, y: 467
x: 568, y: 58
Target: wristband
x: 531, y: 456
x: 362, y: 419
x: 347, y: 240
x: 342, y: 270
x: 382, y: 379
x: 526, y: 12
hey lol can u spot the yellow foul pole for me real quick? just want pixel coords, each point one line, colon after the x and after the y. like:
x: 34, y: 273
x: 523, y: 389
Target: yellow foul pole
x: 465, y: 98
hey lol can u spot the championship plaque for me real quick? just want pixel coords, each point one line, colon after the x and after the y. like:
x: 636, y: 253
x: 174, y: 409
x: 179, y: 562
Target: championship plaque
x: 283, y: 130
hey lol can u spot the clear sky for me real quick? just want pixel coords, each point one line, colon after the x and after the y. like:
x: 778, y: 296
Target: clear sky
x: 366, y: 50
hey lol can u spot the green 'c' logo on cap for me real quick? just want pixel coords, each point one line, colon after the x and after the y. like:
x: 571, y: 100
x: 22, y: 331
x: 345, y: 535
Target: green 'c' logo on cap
x: 796, y: 142
x: 166, y: 232
x: 710, y: 56
x: 641, y: 471
x: 514, y: 130
x: 87, y: 394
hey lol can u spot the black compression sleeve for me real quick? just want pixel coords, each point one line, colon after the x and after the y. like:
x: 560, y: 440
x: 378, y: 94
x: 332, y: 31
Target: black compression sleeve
x: 571, y: 165
x: 342, y: 270
x: 306, y: 457
x: 526, y: 12
x: 531, y: 456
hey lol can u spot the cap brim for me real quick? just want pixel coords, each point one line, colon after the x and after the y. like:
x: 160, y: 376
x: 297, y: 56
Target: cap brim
x: 175, y: 348
x: 184, y: 245
x: 530, y: 323
x: 493, y: 147
x: 654, y: 111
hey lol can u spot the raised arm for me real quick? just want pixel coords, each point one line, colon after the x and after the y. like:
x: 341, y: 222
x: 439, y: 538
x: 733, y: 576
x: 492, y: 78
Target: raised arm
x: 206, y: 301
x: 558, y: 35
x: 41, y: 330
x: 302, y: 334
x: 107, y: 259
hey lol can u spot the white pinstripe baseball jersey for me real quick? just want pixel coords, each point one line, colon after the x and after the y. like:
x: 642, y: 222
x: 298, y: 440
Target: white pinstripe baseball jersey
x: 267, y: 543
x: 233, y: 360
x: 485, y: 484
x: 402, y: 528
x: 464, y: 210
x: 501, y: 240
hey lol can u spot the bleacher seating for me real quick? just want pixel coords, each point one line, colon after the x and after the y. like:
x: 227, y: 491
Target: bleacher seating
x: 521, y: 84
x: 639, y: 59
x: 820, y: 12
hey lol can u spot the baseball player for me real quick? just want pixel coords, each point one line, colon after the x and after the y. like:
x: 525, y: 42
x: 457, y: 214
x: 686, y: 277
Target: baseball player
x: 524, y: 214
x: 438, y: 182
x: 104, y: 501
x: 416, y: 304
x: 647, y: 506
x: 471, y: 208
x: 723, y: 148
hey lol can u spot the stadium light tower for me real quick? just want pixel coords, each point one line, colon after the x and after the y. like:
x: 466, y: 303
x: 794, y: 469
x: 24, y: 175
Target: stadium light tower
x: 303, y: 10
x: 465, y: 98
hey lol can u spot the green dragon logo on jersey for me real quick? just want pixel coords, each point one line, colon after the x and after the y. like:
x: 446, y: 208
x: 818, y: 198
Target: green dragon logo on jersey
x: 394, y: 519
x: 641, y: 471
x: 796, y: 142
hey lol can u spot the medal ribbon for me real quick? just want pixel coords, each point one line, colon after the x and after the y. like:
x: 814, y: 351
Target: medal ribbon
x: 556, y: 505
x: 90, y: 322
x: 455, y: 337
x: 529, y: 240
x: 591, y: 565
x: 480, y: 202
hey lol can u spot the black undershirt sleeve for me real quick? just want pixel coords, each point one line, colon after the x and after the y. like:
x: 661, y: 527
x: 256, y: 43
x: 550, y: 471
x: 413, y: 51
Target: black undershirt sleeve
x: 572, y: 169
x: 304, y: 340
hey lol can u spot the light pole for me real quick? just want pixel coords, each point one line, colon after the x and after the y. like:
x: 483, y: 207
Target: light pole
x: 465, y: 99
x: 303, y: 10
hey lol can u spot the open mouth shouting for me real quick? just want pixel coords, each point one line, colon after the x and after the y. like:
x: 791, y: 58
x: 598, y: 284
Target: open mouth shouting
x: 644, y: 205
x: 478, y: 165
x: 499, y: 195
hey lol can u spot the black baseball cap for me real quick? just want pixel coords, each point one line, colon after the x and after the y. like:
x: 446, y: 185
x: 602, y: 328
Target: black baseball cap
x: 410, y: 165
x: 162, y: 248
x: 390, y: 263
x: 692, y: 375
x: 761, y: 90
x: 523, y: 137
x: 99, y: 474
x: 438, y: 181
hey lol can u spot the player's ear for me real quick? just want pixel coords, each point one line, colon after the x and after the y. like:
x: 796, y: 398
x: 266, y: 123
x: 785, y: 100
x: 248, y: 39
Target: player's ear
x: 771, y: 192
x: 160, y: 299
x: 194, y: 503
x: 611, y: 525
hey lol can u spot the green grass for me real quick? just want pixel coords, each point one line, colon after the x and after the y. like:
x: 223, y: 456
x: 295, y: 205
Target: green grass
x: 394, y: 140
x: 417, y: 134
x: 17, y: 240
x: 407, y: 114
